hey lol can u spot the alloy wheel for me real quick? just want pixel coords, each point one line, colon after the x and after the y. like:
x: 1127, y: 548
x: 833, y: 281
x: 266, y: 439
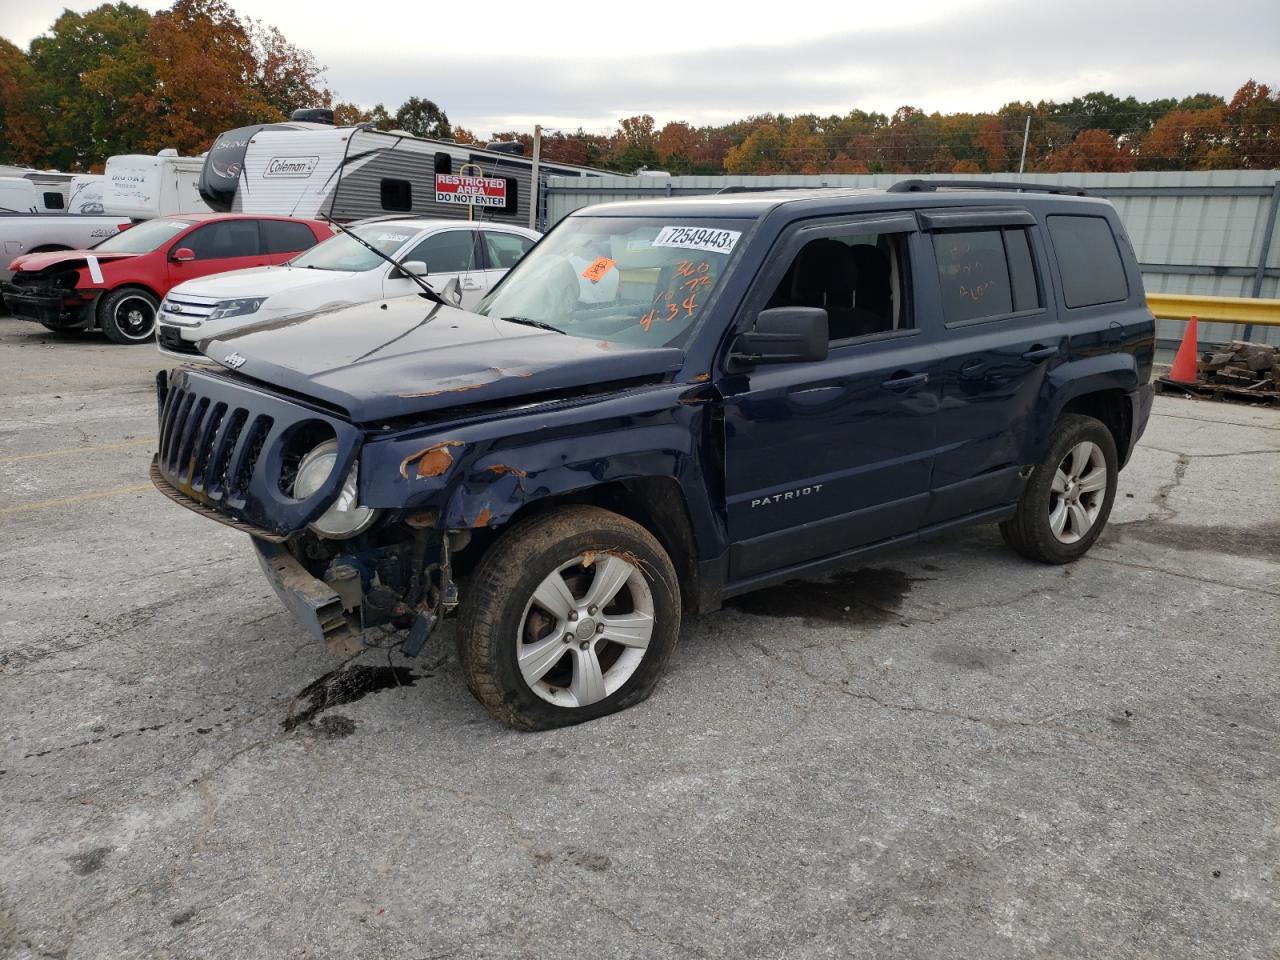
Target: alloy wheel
x: 1078, y: 491
x: 585, y: 630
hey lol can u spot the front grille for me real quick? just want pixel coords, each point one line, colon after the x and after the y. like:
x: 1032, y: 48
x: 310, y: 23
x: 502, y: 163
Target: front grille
x: 204, y: 445
x: 186, y: 311
x: 171, y: 339
x: 225, y: 447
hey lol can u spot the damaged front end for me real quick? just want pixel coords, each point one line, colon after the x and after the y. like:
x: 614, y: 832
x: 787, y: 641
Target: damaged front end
x: 50, y: 297
x: 288, y: 475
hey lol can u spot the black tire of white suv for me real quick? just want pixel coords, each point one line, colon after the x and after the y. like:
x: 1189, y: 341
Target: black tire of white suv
x: 1068, y: 497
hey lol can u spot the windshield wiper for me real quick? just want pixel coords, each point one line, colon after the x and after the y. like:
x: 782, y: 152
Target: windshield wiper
x: 426, y: 287
x: 528, y: 322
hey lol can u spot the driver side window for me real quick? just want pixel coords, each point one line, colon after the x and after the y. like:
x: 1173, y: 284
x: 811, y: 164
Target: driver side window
x: 223, y: 240
x: 452, y: 251
x: 858, y: 279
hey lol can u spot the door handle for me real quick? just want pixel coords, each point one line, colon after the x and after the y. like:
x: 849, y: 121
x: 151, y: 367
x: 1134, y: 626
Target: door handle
x: 1039, y: 353
x: 972, y: 368
x: 903, y: 380
x: 470, y: 283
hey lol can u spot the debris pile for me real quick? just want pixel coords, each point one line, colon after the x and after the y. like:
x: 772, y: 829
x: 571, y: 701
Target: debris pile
x: 1242, y: 371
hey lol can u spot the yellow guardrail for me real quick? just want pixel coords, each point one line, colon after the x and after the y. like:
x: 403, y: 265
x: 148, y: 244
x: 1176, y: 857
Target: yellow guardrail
x: 1181, y: 306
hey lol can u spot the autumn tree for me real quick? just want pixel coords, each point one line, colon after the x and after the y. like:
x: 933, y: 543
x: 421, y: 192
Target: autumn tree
x: 82, y: 76
x: 422, y: 118
x: 285, y: 76
x: 205, y: 78
x: 1092, y: 151
x: 1187, y: 140
x: 20, y: 137
x: 635, y: 144
x: 760, y: 152
x: 1253, y: 116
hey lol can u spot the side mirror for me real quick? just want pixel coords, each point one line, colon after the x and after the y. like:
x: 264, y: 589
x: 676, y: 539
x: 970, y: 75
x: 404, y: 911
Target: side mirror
x: 452, y: 291
x: 414, y: 268
x: 183, y: 255
x: 783, y: 335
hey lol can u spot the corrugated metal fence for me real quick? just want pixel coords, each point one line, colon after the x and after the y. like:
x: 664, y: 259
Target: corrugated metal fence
x: 1211, y: 233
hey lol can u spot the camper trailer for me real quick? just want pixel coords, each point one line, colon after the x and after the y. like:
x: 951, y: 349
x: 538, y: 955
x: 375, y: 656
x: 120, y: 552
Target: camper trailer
x: 142, y: 187
x: 86, y: 194
x: 33, y: 191
x: 306, y: 169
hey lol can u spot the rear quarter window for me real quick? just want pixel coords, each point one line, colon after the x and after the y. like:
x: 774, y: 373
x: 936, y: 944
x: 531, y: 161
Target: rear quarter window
x: 284, y: 236
x: 1088, y: 259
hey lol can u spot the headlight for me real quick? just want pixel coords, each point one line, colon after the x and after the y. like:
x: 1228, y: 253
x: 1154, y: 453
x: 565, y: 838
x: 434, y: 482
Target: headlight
x: 346, y: 517
x: 236, y: 308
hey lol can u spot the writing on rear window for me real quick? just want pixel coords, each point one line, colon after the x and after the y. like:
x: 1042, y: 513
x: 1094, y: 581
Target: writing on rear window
x: 697, y: 238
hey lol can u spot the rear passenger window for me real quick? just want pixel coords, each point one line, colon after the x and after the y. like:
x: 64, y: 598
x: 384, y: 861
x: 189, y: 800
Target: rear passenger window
x: 281, y: 236
x: 505, y: 249
x: 985, y: 273
x: 1089, y: 260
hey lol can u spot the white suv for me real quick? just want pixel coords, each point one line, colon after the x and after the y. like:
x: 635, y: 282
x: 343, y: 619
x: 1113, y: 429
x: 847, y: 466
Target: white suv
x: 340, y: 271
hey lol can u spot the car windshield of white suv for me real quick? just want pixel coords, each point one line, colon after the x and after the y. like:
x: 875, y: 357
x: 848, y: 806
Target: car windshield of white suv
x: 341, y: 252
x: 143, y: 238
x: 645, y: 281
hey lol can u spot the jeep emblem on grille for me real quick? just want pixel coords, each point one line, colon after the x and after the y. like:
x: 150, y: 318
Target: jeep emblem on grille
x: 233, y: 360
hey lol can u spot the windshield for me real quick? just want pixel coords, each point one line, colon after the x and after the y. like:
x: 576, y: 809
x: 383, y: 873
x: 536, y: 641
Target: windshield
x: 635, y: 280
x: 341, y: 252
x: 143, y: 238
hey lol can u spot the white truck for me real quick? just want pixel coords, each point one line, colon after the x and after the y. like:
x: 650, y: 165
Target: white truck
x: 134, y: 187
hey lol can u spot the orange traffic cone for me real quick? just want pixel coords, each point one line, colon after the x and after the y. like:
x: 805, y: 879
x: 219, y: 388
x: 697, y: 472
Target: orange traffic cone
x: 1184, y: 364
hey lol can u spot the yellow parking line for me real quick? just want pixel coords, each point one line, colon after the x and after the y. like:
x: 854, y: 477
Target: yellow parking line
x: 67, y: 450
x: 78, y: 498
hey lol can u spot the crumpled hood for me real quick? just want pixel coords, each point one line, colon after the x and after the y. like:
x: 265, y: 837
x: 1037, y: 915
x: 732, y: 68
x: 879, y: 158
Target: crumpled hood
x: 409, y: 355
x: 69, y: 258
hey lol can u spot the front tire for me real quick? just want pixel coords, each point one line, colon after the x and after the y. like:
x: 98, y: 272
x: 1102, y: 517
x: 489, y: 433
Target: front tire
x: 571, y: 615
x: 128, y: 315
x: 1069, y: 495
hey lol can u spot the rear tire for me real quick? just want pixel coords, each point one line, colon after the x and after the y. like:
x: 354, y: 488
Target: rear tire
x: 1068, y: 497
x: 569, y: 616
x: 128, y: 315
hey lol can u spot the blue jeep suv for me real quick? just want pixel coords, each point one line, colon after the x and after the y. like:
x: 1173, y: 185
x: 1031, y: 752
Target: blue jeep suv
x: 665, y: 404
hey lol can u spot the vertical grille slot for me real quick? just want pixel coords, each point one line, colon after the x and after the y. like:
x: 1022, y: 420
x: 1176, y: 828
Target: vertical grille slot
x: 223, y: 445
x: 246, y: 455
x: 204, y: 446
x: 187, y: 439
x: 182, y: 407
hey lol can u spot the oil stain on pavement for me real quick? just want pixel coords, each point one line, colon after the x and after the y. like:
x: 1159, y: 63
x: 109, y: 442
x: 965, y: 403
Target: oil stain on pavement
x: 344, y: 685
x: 864, y: 597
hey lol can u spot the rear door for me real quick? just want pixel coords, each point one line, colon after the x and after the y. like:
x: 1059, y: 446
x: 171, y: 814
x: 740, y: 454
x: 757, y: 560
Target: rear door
x: 448, y: 253
x: 1000, y: 341
x: 218, y: 247
x: 502, y: 251
x: 824, y: 457
x: 284, y: 239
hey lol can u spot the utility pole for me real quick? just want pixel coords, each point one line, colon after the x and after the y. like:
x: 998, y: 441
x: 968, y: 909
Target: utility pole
x: 1026, y: 134
x: 537, y: 155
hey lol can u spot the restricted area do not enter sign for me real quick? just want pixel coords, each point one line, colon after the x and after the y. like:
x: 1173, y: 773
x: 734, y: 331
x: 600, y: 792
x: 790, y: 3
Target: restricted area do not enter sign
x: 478, y: 191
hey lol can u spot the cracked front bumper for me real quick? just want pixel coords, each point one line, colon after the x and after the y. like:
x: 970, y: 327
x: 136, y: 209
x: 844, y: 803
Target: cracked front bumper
x: 312, y: 602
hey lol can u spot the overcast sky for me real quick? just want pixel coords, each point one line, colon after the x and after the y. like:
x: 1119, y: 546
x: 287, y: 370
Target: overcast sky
x: 507, y: 65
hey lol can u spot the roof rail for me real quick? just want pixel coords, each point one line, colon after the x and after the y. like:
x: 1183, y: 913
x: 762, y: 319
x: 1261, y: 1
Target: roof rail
x: 928, y: 186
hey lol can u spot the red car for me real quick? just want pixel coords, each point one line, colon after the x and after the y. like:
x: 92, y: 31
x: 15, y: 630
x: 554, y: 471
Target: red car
x: 117, y: 286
